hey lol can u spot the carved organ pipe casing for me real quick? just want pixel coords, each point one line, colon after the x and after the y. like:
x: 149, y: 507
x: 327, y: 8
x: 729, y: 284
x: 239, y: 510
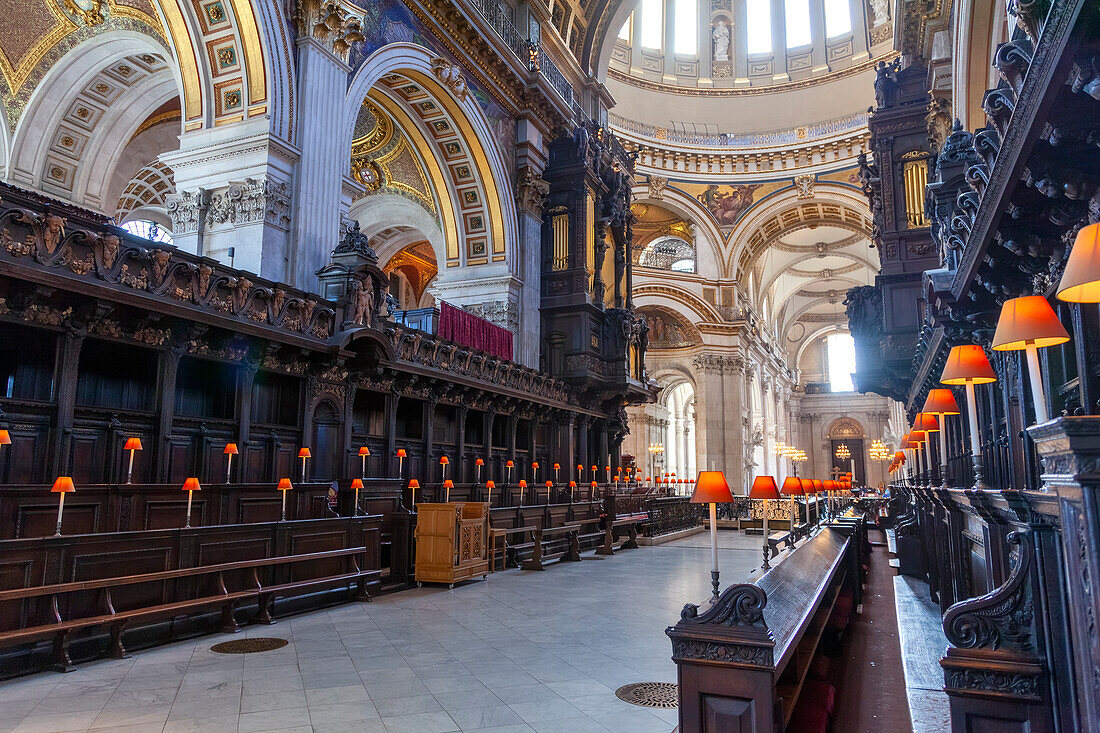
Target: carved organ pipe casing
x: 915, y: 175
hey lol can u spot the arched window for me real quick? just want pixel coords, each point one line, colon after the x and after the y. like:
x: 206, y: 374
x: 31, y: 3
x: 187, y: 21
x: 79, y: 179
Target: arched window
x: 840, y: 352
x: 797, y: 17
x: 652, y: 24
x: 668, y: 253
x: 148, y: 230
x: 758, y: 25
x: 624, y: 32
x: 686, y: 27
x: 838, y: 18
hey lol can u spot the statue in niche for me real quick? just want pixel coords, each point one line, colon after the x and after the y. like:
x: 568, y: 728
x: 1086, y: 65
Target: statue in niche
x: 721, y: 35
x: 881, y: 10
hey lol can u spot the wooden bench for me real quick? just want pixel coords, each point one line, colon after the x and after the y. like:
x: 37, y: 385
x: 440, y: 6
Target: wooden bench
x: 62, y: 630
x: 631, y: 523
x: 506, y: 551
x: 570, y: 552
x: 768, y: 633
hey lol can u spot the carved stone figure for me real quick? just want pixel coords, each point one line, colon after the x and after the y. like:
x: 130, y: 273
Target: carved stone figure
x: 721, y: 36
x: 657, y: 186
x: 451, y: 76
x: 862, y: 304
x: 356, y: 242
x: 362, y: 301
x: 886, y: 84
x: 805, y: 186
x: 52, y: 232
x: 110, y: 245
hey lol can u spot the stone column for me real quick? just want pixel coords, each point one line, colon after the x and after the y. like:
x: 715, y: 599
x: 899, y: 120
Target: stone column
x: 322, y: 82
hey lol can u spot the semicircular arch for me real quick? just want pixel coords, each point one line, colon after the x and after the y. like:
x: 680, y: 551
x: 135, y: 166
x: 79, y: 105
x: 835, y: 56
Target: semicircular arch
x: 415, y: 63
x: 693, y: 309
x: 832, y: 205
x: 705, y: 228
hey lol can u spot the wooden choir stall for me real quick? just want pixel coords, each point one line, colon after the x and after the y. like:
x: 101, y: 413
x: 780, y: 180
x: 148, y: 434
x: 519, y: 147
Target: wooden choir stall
x: 451, y: 542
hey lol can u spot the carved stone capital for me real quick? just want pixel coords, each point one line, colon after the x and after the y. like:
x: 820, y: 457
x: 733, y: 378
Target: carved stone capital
x: 531, y: 191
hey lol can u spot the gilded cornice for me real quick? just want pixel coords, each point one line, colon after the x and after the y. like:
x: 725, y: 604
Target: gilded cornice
x: 488, y: 59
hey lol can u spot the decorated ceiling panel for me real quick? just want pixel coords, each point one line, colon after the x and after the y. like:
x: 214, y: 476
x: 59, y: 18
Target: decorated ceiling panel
x: 84, y: 114
x: 36, y: 34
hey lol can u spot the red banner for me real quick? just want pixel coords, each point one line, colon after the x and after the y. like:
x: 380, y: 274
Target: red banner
x: 465, y: 328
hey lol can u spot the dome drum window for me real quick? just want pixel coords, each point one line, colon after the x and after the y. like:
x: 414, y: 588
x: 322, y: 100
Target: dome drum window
x: 742, y: 43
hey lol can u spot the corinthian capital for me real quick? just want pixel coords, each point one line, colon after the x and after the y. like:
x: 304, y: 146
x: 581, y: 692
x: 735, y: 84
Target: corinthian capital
x: 330, y: 23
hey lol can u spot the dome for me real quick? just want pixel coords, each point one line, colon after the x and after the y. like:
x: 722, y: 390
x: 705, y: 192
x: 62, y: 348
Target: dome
x: 675, y: 66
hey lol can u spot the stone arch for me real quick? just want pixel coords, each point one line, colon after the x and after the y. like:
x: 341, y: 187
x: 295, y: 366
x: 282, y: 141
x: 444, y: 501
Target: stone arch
x: 844, y: 427
x: 420, y: 67
x: 691, y: 308
x: 692, y: 335
x: 55, y: 104
x: 255, y: 81
x: 833, y: 204
x: 381, y: 211
x: 814, y: 336
x: 690, y: 208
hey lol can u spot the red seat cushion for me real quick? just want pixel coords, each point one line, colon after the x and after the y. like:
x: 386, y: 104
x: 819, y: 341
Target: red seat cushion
x: 819, y: 667
x: 809, y: 719
x: 819, y: 693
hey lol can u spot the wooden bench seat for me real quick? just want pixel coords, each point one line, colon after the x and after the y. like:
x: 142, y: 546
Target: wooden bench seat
x: 770, y: 633
x: 115, y: 621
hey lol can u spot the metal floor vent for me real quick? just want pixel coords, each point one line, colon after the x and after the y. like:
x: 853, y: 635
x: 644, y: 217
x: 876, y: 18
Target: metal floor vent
x: 249, y: 646
x: 650, y: 694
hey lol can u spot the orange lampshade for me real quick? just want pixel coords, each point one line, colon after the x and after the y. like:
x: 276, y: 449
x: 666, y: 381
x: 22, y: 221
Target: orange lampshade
x: 819, y: 486
x: 711, y: 489
x: 443, y: 460
x: 191, y: 484
x: 357, y: 483
x: 490, y: 485
x: 285, y: 485
x: 5, y: 438
x: 941, y: 402
x: 556, y: 466
x: 401, y: 453
x: 593, y: 484
x: 509, y: 464
x: 764, y: 487
x: 572, y: 484
x: 414, y: 484
x: 1028, y: 320
x: 899, y: 457
x: 230, y: 449
x: 968, y: 363
x: 1081, y: 279
x: 63, y: 485
x: 926, y: 422
x: 549, y: 484
x: 364, y: 451
x: 522, y: 484
x: 792, y: 486
x: 304, y: 453
x: 448, y: 484
x: 479, y: 462
x: 534, y: 464
x: 132, y: 444
x: 580, y: 467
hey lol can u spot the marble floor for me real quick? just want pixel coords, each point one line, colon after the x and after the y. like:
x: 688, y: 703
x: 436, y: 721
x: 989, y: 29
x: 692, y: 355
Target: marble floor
x: 523, y: 651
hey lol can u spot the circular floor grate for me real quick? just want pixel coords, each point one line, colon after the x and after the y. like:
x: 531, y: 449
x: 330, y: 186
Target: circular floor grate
x: 650, y: 694
x: 249, y: 646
